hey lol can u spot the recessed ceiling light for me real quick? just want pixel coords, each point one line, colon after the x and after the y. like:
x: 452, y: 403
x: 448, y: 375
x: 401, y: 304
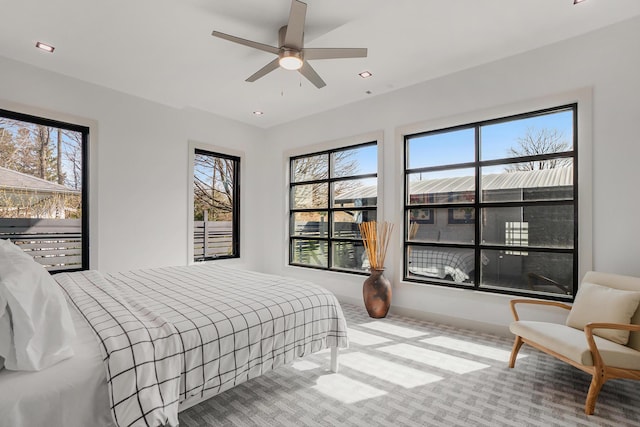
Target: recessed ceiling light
x: 258, y: 113
x: 365, y: 74
x: 45, y: 47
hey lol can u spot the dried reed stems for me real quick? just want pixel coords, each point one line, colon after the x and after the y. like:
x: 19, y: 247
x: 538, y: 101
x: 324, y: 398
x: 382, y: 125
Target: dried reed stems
x: 413, y: 230
x: 376, y: 239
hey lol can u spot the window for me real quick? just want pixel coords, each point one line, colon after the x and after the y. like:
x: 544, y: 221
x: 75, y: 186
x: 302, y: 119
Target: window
x: 331, y: 192
x: 43, y: 189
x: 493, y: 205
x: 216, y: 209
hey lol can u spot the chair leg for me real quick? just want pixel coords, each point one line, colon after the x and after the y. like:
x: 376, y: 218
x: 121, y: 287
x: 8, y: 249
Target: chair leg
x: 514, y: 352
x: 594, y: 389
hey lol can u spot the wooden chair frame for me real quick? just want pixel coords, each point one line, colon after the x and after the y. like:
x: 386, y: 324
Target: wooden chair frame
x: 599, y: 372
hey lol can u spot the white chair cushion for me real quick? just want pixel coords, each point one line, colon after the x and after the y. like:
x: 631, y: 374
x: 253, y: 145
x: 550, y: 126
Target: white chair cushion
x: 602, y: 304
x: 572, y: 344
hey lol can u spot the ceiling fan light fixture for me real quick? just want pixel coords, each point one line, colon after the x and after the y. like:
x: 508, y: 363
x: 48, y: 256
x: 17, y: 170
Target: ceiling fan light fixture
x: 290, y: 60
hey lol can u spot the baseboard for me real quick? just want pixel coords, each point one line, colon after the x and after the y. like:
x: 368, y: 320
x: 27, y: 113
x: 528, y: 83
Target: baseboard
x: 474, y: 325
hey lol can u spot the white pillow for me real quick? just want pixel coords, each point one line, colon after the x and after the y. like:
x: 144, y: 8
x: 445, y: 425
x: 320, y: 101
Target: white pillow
x: 36, y: 329
x: 595, y: 303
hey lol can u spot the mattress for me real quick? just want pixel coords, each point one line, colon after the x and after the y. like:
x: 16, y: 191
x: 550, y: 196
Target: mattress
x: 72, y: 393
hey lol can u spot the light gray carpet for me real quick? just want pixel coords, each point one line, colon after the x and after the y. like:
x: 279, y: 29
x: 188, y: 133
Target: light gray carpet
x: 400, y: 371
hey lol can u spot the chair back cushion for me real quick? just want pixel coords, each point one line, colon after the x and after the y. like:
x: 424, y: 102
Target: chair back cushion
x: 621, y: 282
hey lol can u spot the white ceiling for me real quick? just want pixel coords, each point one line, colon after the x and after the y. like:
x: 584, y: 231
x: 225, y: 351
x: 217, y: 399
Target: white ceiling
x: 162, y: 50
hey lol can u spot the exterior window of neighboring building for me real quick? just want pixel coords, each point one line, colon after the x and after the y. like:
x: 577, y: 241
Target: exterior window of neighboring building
x: 43, y: 189
x: 493, y: 205
x: 331, y: 192
x: 216, y: 206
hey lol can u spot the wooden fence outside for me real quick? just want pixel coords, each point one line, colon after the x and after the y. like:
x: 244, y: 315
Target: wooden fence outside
x: 54, y: 243
x: 346, y: 254
x: 212, y: 239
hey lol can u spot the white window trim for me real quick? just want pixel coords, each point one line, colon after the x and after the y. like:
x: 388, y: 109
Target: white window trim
x: 92, y: 155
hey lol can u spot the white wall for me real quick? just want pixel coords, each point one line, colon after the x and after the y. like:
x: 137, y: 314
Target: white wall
x: 139, y: 164
x: 139, y: 167
x: 606, y: 63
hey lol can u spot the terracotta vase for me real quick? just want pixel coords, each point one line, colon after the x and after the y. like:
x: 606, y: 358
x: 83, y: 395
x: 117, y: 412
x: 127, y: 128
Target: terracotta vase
x: 376, y: 291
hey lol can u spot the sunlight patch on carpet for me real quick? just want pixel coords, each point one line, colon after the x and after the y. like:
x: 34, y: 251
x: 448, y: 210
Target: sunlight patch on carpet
x: 346, y: 390
x: 437, y: 359
x: 304, y: 365
x: 471, y: 348
x: 388, y: 371
x: 364, y: 338
x: 389, y: 328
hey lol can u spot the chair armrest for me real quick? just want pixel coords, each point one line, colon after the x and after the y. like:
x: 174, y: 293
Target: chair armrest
x: 513, y: 303
x: 588, y: 332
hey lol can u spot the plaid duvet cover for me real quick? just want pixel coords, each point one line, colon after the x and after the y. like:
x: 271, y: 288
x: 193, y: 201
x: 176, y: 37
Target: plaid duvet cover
x: 167, y: 334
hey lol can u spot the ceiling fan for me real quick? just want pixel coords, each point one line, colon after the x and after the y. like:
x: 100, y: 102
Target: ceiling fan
x: 291, y: 52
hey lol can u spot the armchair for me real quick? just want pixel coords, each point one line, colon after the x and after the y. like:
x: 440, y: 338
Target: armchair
x: 599, y: 345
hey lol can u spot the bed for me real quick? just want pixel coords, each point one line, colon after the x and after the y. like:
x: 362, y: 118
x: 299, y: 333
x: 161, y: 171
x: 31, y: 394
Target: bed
x: 150, y: 343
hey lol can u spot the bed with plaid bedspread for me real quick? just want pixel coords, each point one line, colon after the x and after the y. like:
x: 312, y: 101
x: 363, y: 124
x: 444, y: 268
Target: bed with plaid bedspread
x: 178, y: 333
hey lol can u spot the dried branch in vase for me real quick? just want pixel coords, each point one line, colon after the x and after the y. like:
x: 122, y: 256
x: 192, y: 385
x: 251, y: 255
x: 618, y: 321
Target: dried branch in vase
x: 376, y: 239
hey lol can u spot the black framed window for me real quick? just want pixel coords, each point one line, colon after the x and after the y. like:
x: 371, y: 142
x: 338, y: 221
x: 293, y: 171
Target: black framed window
x: 44, y: 189
x: 216, y: 206
x: 493, y: 205
x: 331, y: 192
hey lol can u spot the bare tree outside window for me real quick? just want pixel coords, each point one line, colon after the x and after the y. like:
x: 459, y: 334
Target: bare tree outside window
x: 213, y: 187
x: 539, y: 141
x: 48, y: 155
x: 215, y: 204
x: 312, y: 168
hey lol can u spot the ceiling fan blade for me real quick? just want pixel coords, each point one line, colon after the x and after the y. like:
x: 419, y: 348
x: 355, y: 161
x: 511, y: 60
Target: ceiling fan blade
x: 264, y: 70
x: 330, y: 53
x: 311, y: 75
x: 295, y: 27
x: 245, y: 42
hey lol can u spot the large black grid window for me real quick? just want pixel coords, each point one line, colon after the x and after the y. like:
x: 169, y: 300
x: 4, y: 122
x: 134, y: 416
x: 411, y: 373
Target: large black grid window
x: 216, y: 206
x: 44, y: 189
x: 331, y: 192
x: 493, y: 205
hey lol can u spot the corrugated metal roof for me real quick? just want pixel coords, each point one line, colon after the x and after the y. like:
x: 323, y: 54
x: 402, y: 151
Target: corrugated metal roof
x: 555, y: 177
x: 21, y: 181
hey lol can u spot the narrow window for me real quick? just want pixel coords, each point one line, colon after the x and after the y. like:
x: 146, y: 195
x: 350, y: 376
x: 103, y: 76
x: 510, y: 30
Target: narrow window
x: 331, y: 192
x: 43, y: 189
x: 493, y: 205
x: 216, y: 210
